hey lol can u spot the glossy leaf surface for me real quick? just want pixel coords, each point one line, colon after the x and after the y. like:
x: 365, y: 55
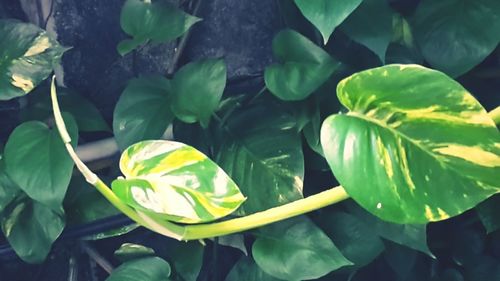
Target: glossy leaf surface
x: 27, y: 56
x: 246, y: 269
x: 296, y: 249
x: 143, y: 111
x: 198, y: 89
x: 36, y: 160
x: 130, y: 251
x: 456, y: 35
x: 158, y: 21
x: 415, y: 146
x: 261, y: 150
x: 326, y: 15
x: 304, y: 66
x: 175, y: 181
x: 375, y: 32
x: 143, y: 269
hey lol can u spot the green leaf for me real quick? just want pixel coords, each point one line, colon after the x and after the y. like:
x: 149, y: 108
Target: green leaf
x: 144, y: 269
x: 36, y: 160
x: 456, y: 35
x: 489, y: 213
x: 246, y: 269
x: 296, y: 249
x: 158, y: 21
x: 143, y: 111
x: 27, y: 56
x: 415, y: 146
x: 8, y: 189
x: 371, y: 25
x: 31, y: 228
x: 304, y: 68
x: 401, y: 259
x: 130, y: 251
x: 175, y: 181
x: 198, y: 89
x: 261, y: 150
x: 326, y: 15
x: 186, y: 257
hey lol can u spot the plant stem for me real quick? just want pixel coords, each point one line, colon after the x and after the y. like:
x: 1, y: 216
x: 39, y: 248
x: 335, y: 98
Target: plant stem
x: 268, y: 216
x: 495, y: 115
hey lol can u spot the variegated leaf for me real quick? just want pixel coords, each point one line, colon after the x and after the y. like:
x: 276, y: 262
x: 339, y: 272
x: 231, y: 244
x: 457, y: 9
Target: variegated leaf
x: 174, y: 181
x: 415, y: 146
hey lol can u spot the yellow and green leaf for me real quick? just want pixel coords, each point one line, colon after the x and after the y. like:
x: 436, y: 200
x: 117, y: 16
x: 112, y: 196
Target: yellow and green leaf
x: 174, y: 181
x: 415, y: 145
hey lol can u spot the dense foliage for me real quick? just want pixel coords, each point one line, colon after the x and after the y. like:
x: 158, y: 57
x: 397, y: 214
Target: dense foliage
x: 388, y: 99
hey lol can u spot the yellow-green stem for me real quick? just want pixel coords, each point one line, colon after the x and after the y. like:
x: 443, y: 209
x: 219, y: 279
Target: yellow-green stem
x: 495, y: 115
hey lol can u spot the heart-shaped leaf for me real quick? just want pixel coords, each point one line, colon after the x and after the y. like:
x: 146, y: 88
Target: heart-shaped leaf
x: 144, y: 269
x: 198, y: 89
x: 326, y: 15
x: 175, y: 181
x: 296, y: 249
x: 37, y: 161
x: 27, y: 56
x: 415, y: 146
x: 456, y: 35
x: 158, y: 21
x: 304, y: 68
x: 143, y: 111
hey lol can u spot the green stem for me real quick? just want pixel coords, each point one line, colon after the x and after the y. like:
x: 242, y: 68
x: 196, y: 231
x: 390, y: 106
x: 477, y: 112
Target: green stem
x: 495, y: 115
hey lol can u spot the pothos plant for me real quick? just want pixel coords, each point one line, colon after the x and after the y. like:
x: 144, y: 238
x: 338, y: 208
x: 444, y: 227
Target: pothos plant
x: 408, y: 144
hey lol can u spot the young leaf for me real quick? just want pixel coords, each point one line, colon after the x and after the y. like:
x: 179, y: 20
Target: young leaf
x: 27, y: 56
x: 415, y: 146
x: 31, y: 228
x: 326, y: 15
x: 37, y: 161
x: 144, y: 269
x: 262, y: 151
x: 371, y: 25
x: 304, y: 68
x: 456, y: 35
x: 175, y: 181
x: 158, y: 21
x: 198, y: 88
x: 143, y: 111
x: 296, y: 249
x: 246, y: 269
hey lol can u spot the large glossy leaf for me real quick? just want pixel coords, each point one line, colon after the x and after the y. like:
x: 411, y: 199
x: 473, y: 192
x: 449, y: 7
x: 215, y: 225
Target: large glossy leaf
x: 143, y: 111
x: 456, y: 35
x: 261, y: 150
x: 158, y: 21
x: 304, y: 66
x: 246, y: 269
x: 31, y: 228
x: 371, y: 25
x: 415, y: 146
x: 198, y: 89
x: 175, y: 181
x: 27, y: 56
x: 326, y: 15
x: 144, y: 269
x: 296, y: 249
x: 37, y: 160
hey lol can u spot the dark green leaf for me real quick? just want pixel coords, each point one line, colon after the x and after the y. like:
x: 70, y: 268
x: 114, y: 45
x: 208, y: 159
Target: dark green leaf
x: 489, y: 213
x: 144, y: 269
x: 262, y: 152
x: 175, y: 181
x: 130, y: 251
x: 187, y: 258
x: 456, y: 35
x: 31, y: 228
x: 304, y: 66
x: 36, y: 159
x: 158, y: 21
x: 246, y: 269
x: 296, y: 249
x: 198, y: 89
x: 27, y: 56
x: 326, y: 15
x: 8, y: 189
x: 415, y: 146
x: 371, y: 25
x: 143, y: 111
x: 400, y: 259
